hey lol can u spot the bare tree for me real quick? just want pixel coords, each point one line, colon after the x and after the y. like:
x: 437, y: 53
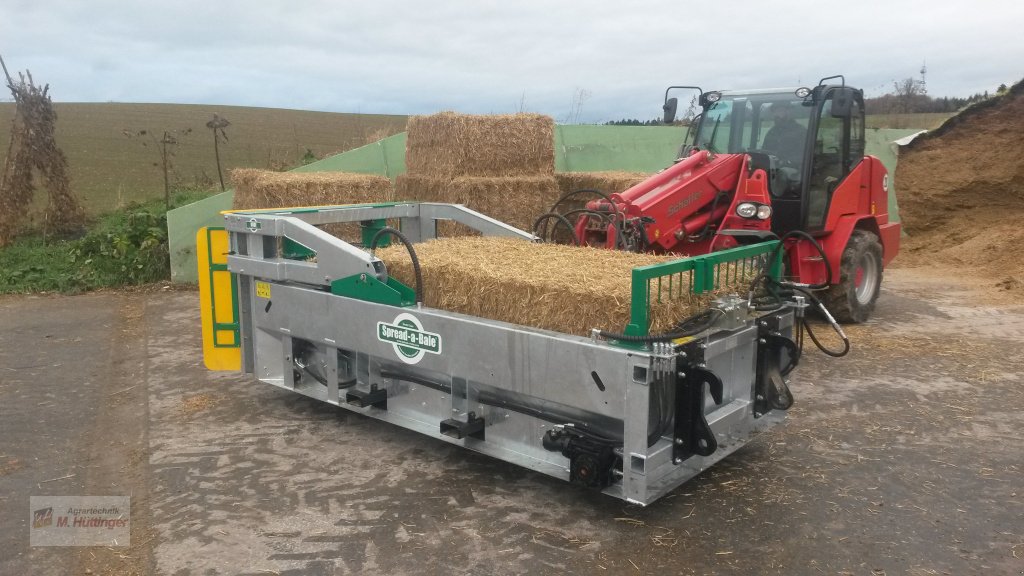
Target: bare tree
x: 579, y: 97
x: 217, y: 125
x: 908, y: 91
x: 165, y: 146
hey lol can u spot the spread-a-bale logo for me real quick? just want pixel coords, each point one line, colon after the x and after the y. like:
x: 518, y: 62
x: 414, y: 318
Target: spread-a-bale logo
x: 410, y: 341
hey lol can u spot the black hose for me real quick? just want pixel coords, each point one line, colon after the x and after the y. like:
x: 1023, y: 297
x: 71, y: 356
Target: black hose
x: 412, y: 256
x: 305, y: 368
x: 687, y: 327
x: 607, y: 431
x: 616, y: 214
x: 560, y: 220
x: 805, y: 325
x: 567, y: 195
x: 714, y: 206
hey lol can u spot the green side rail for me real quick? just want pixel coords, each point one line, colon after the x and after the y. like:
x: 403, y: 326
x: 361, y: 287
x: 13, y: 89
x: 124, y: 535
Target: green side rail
x: 697, y: 275
x: 219, y: 326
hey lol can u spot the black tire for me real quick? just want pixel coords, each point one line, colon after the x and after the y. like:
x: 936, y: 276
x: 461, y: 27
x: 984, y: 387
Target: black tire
x: 852, y: 299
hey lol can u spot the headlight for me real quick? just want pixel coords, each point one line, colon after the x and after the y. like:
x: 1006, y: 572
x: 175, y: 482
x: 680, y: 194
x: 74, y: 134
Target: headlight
x: 747, y: 210
x: 764, y: 212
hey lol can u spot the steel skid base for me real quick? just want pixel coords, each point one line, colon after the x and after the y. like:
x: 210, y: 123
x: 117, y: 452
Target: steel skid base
x: 633, y: 422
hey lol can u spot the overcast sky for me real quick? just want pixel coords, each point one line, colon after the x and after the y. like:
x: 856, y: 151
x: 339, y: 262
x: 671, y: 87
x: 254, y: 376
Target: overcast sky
x: 406, y: 57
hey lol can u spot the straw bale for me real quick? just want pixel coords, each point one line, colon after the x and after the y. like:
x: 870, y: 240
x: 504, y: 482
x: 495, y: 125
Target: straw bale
x: 609, y: 182
x: 550, y: 286
x: 518, y: 201
x: 431, y: 189
x: 416, y: 188
x: 449, y: 144
x: 256, y: 189
x: 265, y: 189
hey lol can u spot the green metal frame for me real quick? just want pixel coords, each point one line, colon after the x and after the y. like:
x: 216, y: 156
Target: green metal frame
x: 369, y: 229
x: 705, y: 273
x: 312, y: 209
x: 368, y: 288
x: 219, y: 326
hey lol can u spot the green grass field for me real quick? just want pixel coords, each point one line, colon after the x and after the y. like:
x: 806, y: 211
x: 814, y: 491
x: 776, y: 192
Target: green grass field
x: 109, y: 169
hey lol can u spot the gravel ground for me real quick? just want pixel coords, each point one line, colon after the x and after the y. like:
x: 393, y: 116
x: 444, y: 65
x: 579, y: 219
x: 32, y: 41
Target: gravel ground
x: 903, y: 458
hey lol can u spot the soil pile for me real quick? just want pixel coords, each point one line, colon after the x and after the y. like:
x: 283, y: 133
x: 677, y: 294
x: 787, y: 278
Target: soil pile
x: 961, y: 192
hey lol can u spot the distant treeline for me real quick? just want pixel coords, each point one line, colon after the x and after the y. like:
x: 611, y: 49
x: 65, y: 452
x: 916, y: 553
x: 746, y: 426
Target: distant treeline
x: 907, y: 97
x: 635, y: 122
x: 920, y: 103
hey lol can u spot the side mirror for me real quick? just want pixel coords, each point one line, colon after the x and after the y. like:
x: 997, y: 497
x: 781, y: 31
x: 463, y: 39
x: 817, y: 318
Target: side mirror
x: 670, y: 110
x: 842, y: 102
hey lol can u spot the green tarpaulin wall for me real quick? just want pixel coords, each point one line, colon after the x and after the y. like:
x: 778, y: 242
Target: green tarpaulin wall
x: 577, y: 149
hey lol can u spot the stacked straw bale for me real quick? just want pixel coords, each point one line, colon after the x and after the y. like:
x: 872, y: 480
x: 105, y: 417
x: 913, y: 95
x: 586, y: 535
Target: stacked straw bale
x: 501, y: 165
x: 550, y: 286
x: 265, y: 189
x: 609, y: 182
x: 516, y: 200
x: 450, y: 144
x: 255, y: 189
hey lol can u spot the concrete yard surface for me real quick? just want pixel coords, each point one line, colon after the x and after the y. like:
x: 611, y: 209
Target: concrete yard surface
x: 906, y: 457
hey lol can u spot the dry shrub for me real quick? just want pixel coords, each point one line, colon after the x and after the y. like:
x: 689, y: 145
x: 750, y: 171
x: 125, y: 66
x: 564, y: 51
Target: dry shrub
x: 550, y: 286
x: 450, y: 144
x: 256, y: 189
x: 33, y: 149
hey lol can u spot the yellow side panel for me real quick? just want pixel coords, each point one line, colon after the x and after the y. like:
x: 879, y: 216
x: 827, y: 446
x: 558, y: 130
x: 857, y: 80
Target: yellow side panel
x: 215, y: 291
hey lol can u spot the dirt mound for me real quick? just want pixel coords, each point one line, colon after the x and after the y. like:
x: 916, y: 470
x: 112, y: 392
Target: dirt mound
x: 961, y: 192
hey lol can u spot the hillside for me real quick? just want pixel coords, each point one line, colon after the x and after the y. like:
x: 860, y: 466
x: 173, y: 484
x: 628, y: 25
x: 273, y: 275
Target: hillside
x: 109, y: 168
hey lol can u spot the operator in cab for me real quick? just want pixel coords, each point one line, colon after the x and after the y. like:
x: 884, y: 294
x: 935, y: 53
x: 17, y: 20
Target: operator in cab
x: 786, y: 137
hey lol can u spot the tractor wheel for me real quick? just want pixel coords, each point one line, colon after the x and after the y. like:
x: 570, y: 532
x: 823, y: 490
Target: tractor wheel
x: 860, y: 278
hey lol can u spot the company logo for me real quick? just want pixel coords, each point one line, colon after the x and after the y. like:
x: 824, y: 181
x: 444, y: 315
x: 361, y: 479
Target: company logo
x: 80, y: 520
x: 42, y: 518
x: 253, y: 225
x: 407, y: 336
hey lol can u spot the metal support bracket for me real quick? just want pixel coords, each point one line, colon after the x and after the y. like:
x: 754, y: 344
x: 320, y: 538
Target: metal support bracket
x: 473, y: 427
x: 376, y: 397
x: 693, y: 435
x: 770, y: 390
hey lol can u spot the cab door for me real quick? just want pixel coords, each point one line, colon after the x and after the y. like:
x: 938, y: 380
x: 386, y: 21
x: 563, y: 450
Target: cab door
x: 838, y: 146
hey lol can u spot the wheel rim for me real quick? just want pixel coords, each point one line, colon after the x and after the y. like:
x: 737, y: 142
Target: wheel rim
x: 865, y: 281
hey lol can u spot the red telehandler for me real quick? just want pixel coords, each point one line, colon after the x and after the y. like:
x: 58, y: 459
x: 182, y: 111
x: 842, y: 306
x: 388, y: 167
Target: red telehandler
x: 763, y: 164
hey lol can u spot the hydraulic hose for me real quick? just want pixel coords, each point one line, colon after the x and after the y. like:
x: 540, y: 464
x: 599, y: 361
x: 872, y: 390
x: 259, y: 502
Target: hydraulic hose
x: 597, y: 426
x: 560, y: 219
x: 412, y: 256
x: 616, y: 214
x: 687, y: 327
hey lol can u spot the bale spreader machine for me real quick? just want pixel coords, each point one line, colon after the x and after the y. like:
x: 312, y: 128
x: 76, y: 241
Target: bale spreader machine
x: 628, y: 412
